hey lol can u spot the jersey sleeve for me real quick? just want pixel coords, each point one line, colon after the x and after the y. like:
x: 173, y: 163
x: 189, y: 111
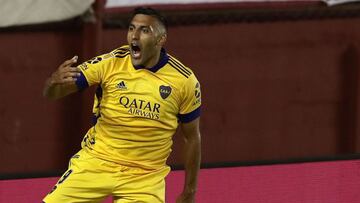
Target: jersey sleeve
x: 191, y: 100
x: 92, y: 71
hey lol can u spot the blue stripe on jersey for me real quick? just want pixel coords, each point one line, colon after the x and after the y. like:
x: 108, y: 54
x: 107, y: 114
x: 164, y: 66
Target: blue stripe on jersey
x: 186, y: 118
x: 81, y: 82
x: 99, y: 93
x: 95, y: 119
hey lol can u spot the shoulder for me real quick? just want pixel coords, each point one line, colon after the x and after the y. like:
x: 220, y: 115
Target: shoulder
x: 121, y: 52
x: 179, y: 68
x: 117, y: 53
x: 107, y: 58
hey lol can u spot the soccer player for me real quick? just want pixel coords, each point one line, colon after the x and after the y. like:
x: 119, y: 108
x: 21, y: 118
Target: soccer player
x: 143, y: 94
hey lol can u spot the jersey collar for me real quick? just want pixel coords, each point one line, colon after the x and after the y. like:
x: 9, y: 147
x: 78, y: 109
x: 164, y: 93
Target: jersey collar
x: 162, y: 62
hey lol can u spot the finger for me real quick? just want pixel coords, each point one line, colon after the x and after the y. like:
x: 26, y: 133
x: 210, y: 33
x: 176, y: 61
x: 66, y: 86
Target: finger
x: 69, y: 80
x: 71, y: 69
x: 69, y: 62
x: 75, y: 69
x: 71, y: 74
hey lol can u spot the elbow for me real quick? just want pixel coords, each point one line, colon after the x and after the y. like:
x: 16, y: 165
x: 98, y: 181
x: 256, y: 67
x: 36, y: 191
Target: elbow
x: 49, y: 89
x: 49, y: 95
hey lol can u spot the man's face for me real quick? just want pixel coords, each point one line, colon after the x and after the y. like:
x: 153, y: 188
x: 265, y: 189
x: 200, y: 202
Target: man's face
x: 145, y: 38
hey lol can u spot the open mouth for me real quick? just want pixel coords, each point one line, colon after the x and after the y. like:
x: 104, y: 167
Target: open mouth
x: 135, y: 50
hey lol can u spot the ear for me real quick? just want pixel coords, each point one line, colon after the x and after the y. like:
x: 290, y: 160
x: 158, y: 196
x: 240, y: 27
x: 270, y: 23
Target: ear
x: 162, y: 40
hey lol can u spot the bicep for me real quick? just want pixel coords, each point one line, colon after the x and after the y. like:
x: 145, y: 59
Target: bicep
x: 191, y: 129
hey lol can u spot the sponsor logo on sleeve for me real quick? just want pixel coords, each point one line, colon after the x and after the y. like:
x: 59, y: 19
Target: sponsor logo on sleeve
x: 94, y: 60
x: 197, y: 94
x: 83, y: 66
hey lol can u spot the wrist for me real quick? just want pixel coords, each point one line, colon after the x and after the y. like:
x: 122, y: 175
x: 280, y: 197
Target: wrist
x: 51, y: 80
x: 189, y: 191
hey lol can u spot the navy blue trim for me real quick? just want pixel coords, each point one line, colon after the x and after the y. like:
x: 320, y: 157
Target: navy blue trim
x: 99, y: 92
x: 181, y: 66
x: 178, y: 69
x: 81, y: 82
x: 95, y: 119
x: 186, y: 118
x: 162, y: 62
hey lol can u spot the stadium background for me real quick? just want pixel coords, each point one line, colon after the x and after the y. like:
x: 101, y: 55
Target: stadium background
x: 280, y: 83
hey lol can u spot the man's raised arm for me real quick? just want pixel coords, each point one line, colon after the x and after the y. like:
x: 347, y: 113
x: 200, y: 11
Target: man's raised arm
x: 62, y: 81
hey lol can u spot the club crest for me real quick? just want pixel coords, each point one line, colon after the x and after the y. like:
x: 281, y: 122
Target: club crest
x: 165, y: 91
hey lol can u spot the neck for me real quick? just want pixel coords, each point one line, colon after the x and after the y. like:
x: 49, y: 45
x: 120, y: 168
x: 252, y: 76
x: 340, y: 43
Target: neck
x: 156, y: 62
x: 153, y: 60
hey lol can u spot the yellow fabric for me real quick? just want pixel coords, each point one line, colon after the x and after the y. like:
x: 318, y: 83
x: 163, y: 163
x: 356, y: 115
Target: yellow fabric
x: 90, y: 179
x: 137, y: 109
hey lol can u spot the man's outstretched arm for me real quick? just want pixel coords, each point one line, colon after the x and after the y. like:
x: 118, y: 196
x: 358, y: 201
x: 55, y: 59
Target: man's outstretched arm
x: 192, y: 150
x: 62, y: 81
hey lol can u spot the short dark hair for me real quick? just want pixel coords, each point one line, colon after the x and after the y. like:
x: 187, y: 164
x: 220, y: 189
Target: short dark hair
x: 151, y: 12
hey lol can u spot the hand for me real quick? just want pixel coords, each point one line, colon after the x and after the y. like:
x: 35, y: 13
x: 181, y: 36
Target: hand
x: 186, y: 198
x: 65, y: 73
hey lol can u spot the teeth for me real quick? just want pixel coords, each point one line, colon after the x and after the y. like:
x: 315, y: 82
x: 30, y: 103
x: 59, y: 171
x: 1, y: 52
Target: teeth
x: 134, y: 44
x: 135, y: 47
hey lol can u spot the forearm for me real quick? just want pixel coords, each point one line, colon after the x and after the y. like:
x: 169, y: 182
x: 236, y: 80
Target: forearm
x: 192, y: 164
x: 62, y: 81
x: 56, y: 91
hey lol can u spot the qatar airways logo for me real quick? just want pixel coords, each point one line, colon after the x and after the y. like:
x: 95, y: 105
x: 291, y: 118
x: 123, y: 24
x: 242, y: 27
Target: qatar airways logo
x: 140, y: 107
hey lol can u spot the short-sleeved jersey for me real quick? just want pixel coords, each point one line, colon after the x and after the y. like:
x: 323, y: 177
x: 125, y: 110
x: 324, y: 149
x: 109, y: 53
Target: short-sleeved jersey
x: 137, y: 109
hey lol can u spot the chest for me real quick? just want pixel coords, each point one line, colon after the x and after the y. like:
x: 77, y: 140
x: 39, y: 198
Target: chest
x: 141, y: 94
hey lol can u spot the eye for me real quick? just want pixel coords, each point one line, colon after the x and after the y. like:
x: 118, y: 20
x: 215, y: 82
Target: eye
x: 131, y: 28
x: 145, y: 30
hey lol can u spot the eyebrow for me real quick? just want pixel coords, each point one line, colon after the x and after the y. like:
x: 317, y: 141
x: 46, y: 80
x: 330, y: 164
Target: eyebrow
x: 141, y: 26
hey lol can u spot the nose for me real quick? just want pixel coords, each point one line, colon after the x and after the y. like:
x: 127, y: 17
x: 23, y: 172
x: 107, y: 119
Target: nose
x: 135, y: 34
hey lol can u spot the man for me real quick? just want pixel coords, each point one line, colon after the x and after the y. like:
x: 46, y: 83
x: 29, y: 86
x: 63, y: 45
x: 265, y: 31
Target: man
x: 143, y: 94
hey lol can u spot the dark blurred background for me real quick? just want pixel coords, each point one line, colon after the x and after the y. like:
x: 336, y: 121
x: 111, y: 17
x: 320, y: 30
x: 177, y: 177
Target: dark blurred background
x: 280, y: 82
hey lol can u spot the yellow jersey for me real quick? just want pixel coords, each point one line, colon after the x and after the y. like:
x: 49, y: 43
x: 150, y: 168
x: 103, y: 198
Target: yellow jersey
x: 137, y: 110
